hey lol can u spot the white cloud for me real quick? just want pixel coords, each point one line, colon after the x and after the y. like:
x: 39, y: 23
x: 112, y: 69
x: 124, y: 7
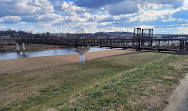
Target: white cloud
x: 174, y: 30
x: 2, y: 27
x: 91, y: 15
x: 72, y: 13
x: 125, y: 7
x: 25, y: 7
x: 174, y: 3
x: 146, y: 26
x: 69, y: 8
x: 185, y: 5
x: 10, y: 19
x: 48, y: 18
x: 151, y: 15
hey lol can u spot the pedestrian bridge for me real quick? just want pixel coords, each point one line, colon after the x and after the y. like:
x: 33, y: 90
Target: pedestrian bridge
x: 138, y: 44
x: 143, y: 40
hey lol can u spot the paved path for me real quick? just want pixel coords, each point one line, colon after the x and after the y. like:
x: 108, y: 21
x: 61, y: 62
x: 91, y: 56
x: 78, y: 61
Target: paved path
x: 179, y: 99
x: 183, y: 106
x: 24, y: 64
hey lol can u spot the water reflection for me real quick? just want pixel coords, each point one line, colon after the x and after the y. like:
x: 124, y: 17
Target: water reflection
x: 6, y: 56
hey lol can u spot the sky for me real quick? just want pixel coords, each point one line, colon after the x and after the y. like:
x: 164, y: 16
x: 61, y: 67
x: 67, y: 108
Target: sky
x: 90, y: 16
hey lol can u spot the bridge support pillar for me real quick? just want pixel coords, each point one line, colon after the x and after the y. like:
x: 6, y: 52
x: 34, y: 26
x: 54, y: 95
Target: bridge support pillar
x: 82, y: 59
x: 23, y: 46
x: 81, y: 50
x: 17, y: 47
x: 20, y: 47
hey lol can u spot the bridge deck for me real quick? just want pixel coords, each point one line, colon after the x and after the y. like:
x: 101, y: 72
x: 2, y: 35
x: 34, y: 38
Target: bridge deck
x: 139, y: 44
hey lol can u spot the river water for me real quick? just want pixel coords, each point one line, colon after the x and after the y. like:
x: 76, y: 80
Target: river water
x: 15, y: 55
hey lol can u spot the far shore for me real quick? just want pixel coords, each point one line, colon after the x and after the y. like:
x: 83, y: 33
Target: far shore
x: 30, y: 48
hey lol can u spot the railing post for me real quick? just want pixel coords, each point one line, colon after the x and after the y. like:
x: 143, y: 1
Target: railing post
x: 111, y: 42
x: 142, y: 38
x: 139, y: 44
x: 159, y: 46
x: 181, y: 44
x: 100, y: 42
x: 76, y: 43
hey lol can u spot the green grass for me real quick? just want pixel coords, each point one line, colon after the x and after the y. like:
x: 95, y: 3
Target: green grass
x: 138, y: 89
x: 117, y: 82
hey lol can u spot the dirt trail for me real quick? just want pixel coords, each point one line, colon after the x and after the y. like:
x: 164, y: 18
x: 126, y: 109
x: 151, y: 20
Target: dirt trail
x: 24, y: 64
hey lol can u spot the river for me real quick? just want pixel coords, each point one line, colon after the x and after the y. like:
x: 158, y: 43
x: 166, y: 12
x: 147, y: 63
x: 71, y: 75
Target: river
x: 15, y: 55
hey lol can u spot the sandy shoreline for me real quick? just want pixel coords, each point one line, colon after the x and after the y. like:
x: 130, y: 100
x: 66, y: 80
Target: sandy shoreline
x: 24, y: 64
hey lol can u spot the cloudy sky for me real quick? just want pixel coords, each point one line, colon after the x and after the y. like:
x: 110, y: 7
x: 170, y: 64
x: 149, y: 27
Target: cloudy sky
x: 73, y: 16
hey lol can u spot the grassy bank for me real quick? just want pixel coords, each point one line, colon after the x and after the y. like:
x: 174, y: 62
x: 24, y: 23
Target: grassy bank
x: 131, y: 82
